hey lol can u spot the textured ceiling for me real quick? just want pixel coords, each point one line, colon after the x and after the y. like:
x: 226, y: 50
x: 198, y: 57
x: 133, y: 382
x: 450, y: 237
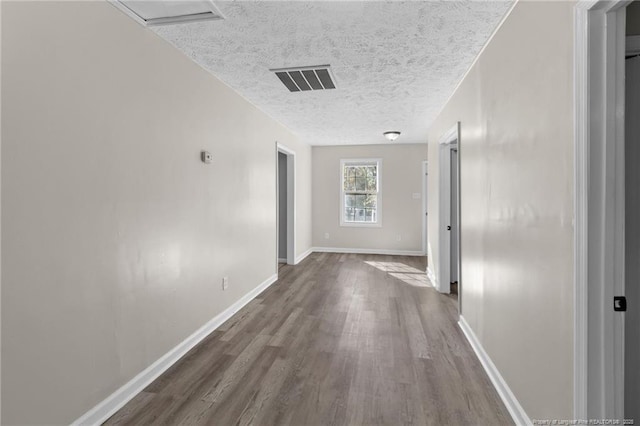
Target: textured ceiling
x: 395, y: 63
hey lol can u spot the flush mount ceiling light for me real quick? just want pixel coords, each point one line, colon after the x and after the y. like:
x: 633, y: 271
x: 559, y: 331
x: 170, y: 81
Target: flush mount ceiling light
x: 156, y: 12
x: 392, y: 135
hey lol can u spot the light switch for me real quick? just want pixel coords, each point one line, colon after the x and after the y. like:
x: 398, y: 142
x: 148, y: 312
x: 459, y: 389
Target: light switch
x: 416, y: 195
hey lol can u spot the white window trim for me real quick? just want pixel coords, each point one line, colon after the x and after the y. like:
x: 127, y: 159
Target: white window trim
x: 378, y: 223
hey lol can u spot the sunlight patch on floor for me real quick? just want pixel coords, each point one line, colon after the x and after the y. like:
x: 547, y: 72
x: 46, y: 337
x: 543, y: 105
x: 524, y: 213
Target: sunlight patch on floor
x: 405, y: 273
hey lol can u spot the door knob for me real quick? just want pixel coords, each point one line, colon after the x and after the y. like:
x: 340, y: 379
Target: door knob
x: 449, y: 228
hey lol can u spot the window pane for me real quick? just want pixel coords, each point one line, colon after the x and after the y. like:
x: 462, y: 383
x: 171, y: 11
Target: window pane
x: 371, y: 201
x: 350, y: 184
x: 372, y: 178
x: 360, y: 207
x: 345, y: 182
x: 349, y: 214
x: 352, y: 179
x: 349, y: 178
x: 361, y: 179
x: 349, y: 200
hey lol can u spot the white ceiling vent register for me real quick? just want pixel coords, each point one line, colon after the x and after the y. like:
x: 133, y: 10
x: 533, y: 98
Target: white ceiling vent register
x: 306, y: 78
x: 159, y: 12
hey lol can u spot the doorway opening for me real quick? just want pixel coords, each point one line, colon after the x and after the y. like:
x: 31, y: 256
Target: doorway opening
x: 285, y: 205
x: 607, y: 232
x: 448, y: 280
x: 425, y: 208
x: 454, y: 220
x: 282, y: 207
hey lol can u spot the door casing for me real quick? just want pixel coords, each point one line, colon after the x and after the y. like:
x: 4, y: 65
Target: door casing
x: 599, y: 50
x: 291, y: 203
x: 450, y: 140
x: 425, y: 206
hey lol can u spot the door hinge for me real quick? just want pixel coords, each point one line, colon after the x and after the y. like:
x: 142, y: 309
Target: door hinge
x: 620, y: 304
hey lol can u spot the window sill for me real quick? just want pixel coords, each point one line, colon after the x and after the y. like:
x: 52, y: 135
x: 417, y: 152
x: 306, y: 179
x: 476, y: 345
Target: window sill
x: 360, y: 225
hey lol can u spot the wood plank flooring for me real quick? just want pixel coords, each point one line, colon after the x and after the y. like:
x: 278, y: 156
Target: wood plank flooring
x: 340, y: 339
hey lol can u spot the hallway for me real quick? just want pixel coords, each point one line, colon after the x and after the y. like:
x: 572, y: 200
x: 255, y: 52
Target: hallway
x: 338, y: 339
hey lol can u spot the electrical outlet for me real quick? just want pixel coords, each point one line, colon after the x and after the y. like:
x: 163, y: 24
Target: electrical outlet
x: 416, y: 195
x: 326, y: 235
x: 225, y: 283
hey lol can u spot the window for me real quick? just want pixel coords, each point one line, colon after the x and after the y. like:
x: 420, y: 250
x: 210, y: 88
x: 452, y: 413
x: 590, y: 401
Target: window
x: 360, y: 192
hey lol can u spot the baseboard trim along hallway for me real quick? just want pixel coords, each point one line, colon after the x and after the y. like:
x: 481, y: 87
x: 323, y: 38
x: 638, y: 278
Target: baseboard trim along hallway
x: 518, y: 414
x: 304, y: 255
x: 368, y: 251
x: 105, y: 409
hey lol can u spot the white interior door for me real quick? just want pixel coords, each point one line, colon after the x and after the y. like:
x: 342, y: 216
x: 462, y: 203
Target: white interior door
x: 632, y: 241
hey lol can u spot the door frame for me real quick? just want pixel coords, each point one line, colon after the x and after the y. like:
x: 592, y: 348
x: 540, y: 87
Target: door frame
x: 599, y: 50
x: 291, y: 203
x: 450, y: 140
x: 425, y: 174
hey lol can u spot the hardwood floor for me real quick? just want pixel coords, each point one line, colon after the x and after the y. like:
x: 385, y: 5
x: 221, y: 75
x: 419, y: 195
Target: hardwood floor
x: 340, y: 339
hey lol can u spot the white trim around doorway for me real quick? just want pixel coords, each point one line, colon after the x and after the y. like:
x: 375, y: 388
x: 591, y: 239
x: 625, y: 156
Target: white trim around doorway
x: 291, y: 202
x: 447, y: 142
x: 425, y: 194
x: 599, y: 208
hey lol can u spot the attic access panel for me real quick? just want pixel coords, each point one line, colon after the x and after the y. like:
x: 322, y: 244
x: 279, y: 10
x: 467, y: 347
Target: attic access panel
x: 158, y: 12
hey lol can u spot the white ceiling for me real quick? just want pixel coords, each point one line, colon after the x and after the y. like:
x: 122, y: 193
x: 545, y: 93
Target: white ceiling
x: 395, y: 63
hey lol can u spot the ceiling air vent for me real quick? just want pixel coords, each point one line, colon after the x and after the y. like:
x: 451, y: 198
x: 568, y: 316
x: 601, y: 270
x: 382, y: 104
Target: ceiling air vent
x: 160, y: 12
x: 306, y: 78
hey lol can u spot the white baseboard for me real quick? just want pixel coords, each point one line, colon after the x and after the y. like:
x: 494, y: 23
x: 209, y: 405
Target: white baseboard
x: 432, y: 277
x: 304, y: 255
x: 105, y: 409
x: 518, y: 414
x: 282, y: 260
x: 368, y: 251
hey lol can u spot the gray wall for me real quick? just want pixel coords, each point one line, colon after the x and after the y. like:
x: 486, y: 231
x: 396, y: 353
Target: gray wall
x: 282, y: 206
x: 115, y: 237
x: 516, y: 153
x: 401, y: 213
